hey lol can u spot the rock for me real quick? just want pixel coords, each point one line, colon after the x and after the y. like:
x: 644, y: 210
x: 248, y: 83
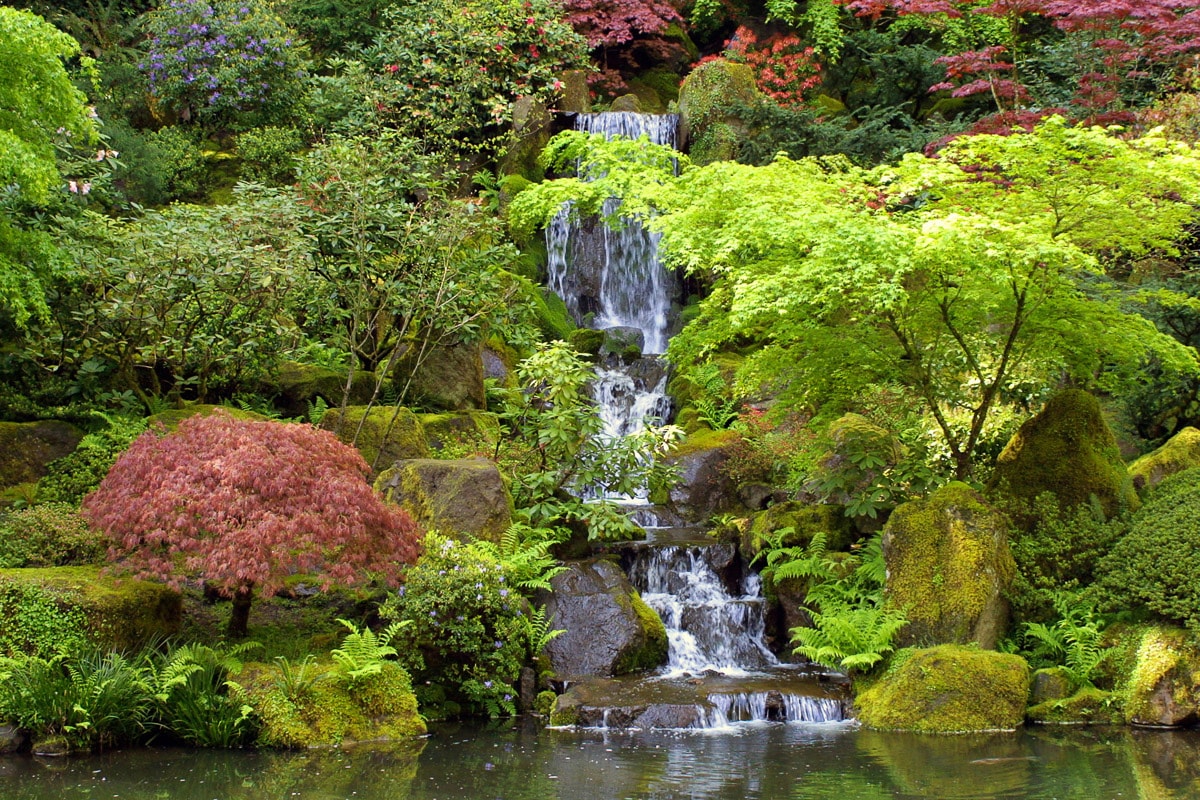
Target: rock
x: 450, y: 378
x: 12, y: 739
x: 27, y: 447
x: 1180, y: 452
x: 623, y: 341
x: 1069, y: 451
x: 382, y: 439
x: 948, y: 568
x: 469, y: 430
x: 853, y: 438
x: 703, y: 488
x: 627, y: 102
x: 531, y: 123
x: 498, y: 366
x: 1088, y: 706
x: 754, y: 496
x: 587, y: 341
x: 295, y: 387
x: 948, y: 689
x: 52, y: 747
x: 805, y: 520
x: 609, y: 630
x: 455, y: 496
x: 707, y: 131
x: 119, y: 613
x: 1164, y: 687
x: 1050, y: 685
x: 576, y: 96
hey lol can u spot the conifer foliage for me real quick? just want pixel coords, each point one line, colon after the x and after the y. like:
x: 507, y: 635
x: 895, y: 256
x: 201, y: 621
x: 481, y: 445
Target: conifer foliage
x: 243, y: 504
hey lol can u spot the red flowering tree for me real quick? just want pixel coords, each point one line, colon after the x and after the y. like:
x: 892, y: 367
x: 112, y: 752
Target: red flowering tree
x: 784, y: 68
x: 244, y: 504
x: 624, y: 35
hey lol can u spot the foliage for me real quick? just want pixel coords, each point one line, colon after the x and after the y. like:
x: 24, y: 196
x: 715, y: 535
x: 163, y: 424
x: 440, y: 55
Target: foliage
x: 245, y: 504
x: 956, y: 279
x: 197, y: 700
x: 48, y: 535
x: 1073, y: 641
x: 624, y: 35
x: 448, y: 73
x: 337, y: 25
x: 558, y: 453
x: 268, y: 154
x: 36, y: 625
x: 180, y: 170
x: 766, y: 447
x: 39, y: 107
x: 785, y: 70
x: 220, y: 61
x: 524, y: 553
x: 70, y: 478
x: 469, y: 631
x: 714, y: 404
x: 363, y: 652
x: 1155, y: 564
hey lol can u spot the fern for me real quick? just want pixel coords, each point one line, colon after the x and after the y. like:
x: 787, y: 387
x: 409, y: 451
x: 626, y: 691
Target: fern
x: 854, y: 638
x: 537, y: 631
x: 363, y: 652
x: 802, y: 562
x: 196, y: 695
x: 316, y: 410
x: 524, y: 554
x: 1073, y: 642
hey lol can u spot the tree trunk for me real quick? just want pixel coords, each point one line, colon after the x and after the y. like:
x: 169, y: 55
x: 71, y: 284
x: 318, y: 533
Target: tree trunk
x: 239, y: 619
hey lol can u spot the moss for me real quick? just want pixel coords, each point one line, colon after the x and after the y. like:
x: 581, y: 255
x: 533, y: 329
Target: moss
x: 27, y: 447
x: 551, y: 316
x: 1068, y: 450
x: 544, y: 702
x: 948, y: 689
x: 660, y: 80
x: 703, y: 439
x: 948, y: 564
x: 379, y: 445
x: 1180, y: 452
x: 586, y: 340
x: 325, y: 711
x: 653, y: 652
x: 294, y: 385
x: 171, y: 418
x: 461, y: 496
x: 1163, y: 685
x: 805, y: 520
x: 564, y: 714
x: 456, y: 434
x: 119, y: 613
x: 705, y: 95
x: 1088, y: 706
x: 449, y: 378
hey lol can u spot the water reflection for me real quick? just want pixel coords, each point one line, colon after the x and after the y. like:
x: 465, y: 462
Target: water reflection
x: 524, y: 762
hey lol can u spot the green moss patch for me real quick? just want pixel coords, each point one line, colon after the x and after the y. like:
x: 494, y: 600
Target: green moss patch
x: 1088, y: 706
x: 948, y: 689
x: 381, y: 439
x: 1181, y: 451
x: 1163, y: 686
x: 171, y: 418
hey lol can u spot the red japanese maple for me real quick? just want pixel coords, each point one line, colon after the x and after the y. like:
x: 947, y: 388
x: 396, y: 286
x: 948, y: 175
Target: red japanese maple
x: 622, y: 33
x: 243, y: 505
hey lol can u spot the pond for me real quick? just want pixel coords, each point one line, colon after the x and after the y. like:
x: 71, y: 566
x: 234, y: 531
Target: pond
x: 523, y: 761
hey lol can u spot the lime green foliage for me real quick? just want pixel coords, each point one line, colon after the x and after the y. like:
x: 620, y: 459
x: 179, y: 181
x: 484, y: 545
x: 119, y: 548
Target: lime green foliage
x: 1180, y: 452
x: 34, y: 623
x: 382, y: 434
x: 714, y: 403
x: 48, y: 535
x: 948, y: 689
x: 26, y: 448
x: 1164, y: 683
x: 170, y: 418
x: 71, y: 477
x: 711, y: 133
x: 1157, y: 564
x: 120, y: 614
x: 1069, y: 450
x: 852, y: 638
x: 199, y: 701
x: 1074, y: 642
x: 268, y: 154
x: 948, y: 564
x: 361, y: 656
x: 860, y: 468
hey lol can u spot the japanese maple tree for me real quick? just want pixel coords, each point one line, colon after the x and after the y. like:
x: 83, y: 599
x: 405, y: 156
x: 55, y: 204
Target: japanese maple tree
x: 244, y: 504
x: 623, y: 33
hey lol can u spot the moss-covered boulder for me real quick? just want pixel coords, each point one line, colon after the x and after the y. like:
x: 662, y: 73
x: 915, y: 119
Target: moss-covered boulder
x: 706, y: 130
x: 1180, y: 452
x: 454, y: 496
x: 704, y: 488
x: 1163, y: 687
x: 948, y: 568
x: 325, y: 710
x: 27, y: 447
x: 609, y: 628
x: 386, y: 435
x: 1067, y: 450
x: 804, y: 521
x: 171, y: 418
x: 117, y: 613
x: 463, y: 432
x: 294, y: 387
x: 1088, y: 706
x: 948, y: 689
x: 531, y: 122
x: 587, y: 341
x: 576, y: 96
x: 449, y: 378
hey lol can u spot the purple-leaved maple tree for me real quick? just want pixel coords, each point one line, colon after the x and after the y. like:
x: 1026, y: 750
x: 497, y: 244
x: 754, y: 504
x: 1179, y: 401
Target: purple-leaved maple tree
x: 244, y: 504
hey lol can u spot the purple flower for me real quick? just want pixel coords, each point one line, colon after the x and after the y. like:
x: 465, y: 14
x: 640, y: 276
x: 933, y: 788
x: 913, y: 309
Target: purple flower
x: 504, y: 592
x: 499, y: 644
x: 487, y: 684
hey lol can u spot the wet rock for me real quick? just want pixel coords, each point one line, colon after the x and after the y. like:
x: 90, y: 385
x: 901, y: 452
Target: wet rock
x: 448, y: 378
x: 52, y: 747
x: 1164, y: 687
x: 11, y: 739
x: 703, y: 489
x: 463, y: 496
x: 624, y: 341
x: 609, y: 630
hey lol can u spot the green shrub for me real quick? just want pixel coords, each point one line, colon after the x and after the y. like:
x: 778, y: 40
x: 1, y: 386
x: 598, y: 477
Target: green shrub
x: 269, y: 154
x: 48, y: 535
x: 34, y: 624
x: 182, y: 169
x: 1157, y: 564
x: 197, y: 700
x: 70, y: 478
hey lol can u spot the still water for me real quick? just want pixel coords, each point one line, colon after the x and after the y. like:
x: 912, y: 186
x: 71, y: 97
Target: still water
x: 524, y: 762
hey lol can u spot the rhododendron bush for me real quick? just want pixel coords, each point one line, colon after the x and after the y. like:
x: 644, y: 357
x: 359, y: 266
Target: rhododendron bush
x: 243, y: 505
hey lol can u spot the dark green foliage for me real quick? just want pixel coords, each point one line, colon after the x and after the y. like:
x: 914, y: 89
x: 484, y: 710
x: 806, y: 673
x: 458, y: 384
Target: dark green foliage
x: 193, y: 689
x: 70, y: 478
x: 48, y: 535
x: 1073, y: 642
x: 269, y: 154
x: 1157, y: 564
x: 173, y: 167
x: 336, y: 25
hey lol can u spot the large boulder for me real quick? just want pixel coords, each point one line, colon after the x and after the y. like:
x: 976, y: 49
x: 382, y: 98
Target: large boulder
x: 27, y: 447
x: 1067, y: 450
x: 1163, y: 690
x: 448, y: 378
x: 383, y: 434
x: 609, y: 629
x: 531, y: 122
x: 295, y: 387
x: 464, y: 496
x: 461, y: 432
x: 948, y: 567
x: 1180, y: 452
x: 948, y: 689
x: 704, y: 488
x: 706, y: 130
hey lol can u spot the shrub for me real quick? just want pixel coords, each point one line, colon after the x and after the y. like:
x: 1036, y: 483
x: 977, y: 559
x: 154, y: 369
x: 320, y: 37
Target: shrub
x: 1157, y: 564
x: 269, y: 154
x: 176, y: 166
x: 35, y: 625
x: 197, y: 699
x: 48, y: 535
x: 70, y: 478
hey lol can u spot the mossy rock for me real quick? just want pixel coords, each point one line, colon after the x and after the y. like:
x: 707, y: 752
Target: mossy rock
x: 705, y: 127
x: 663, y: 82
x: 465, y: 496
x: 1088, y: 706
x: 531, y: 122
x: 1067, y: 450
x: 805, y: 520
x: 948, y: 568
x: 1163, y: 687
x: 449, y: 378
x: 1180, y: 452
x: 27, y: 447
x: 328, y: 711
x: 630, y: 103
x: 1050, y: 684
x: 171, y: 418
x: 576, y: 96
x: 587, y: 341
x: 381, y: 441
x: 470, y: 430
x: 552, y: 317
x: 295, y: 386
x: 948, y: 689
x: 118, y: 613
